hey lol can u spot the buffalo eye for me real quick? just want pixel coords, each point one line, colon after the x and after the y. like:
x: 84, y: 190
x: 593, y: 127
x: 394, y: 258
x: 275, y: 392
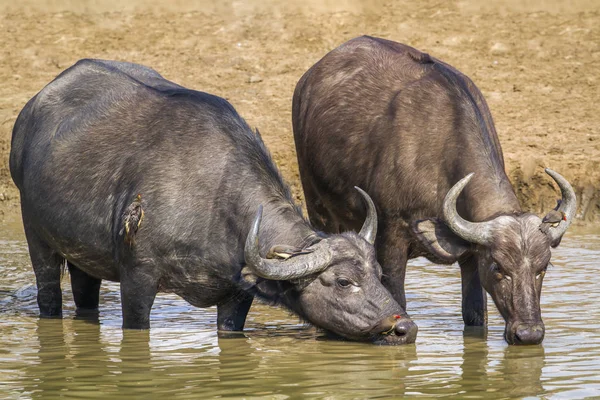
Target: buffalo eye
x: 343, y: 282
x: 497, y: 274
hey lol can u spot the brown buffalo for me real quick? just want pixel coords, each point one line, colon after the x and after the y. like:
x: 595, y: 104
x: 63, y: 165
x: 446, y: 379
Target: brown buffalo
x: 418, y: 136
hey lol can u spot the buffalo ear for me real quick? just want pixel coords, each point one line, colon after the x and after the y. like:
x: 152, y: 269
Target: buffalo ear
x: 248, y: 278
x: 556, y: 242
x: 269, y: 290
x: 443, y: 245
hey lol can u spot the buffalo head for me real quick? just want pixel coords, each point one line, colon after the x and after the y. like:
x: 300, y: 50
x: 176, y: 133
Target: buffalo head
x: 335, y: 283
x: 512, y: 252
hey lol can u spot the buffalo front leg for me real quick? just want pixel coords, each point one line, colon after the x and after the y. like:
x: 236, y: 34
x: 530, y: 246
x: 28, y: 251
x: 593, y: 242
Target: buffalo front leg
x: 231, y: 314
x: 47, y: 266
x: 474, y: 299
x: 138, y: 291
x: 86, y: 289
x: 392, y: 254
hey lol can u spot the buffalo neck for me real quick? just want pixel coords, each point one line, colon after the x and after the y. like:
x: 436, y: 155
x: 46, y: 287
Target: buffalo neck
x: 283, y: 224
x: 488, y: 195
x: 490, y: 192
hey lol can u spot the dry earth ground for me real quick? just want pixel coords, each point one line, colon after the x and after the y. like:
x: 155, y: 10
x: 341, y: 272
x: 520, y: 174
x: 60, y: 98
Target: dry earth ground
x: 537, y: 63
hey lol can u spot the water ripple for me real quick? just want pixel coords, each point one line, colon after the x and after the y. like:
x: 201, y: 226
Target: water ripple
x: 279, y: 357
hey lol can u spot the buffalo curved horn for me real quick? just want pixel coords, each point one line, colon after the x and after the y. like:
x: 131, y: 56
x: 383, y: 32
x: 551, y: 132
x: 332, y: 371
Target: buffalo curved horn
x: 294, y: 267
x: 474, y: 232
x: 568, y: 205
x: 369, y: 228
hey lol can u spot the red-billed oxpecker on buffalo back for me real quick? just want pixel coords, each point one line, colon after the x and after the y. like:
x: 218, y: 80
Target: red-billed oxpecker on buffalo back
x: 417, y: 135
x: 128, y: 177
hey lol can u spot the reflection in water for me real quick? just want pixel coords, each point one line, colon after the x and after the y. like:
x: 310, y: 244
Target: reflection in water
x: 77, y: 358
x: 69, y: 358
x: 522, y: 369
x: 183, y: 357
x: 473, y: 375
x: 516, y: 374
x: 40, y: 379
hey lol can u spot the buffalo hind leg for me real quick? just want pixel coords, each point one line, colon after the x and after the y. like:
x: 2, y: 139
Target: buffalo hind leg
x: 138, y: 291
x: 47, y: 266
x: 86, y: 289
x: 231, y: 314
x: 474, y: 300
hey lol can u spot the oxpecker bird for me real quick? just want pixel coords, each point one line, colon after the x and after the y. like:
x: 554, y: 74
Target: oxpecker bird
x: 553, y: 218
x: 132, y: 219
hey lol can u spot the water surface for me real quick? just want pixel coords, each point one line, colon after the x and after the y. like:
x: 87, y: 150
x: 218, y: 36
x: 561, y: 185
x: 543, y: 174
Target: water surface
x: 279, y: 357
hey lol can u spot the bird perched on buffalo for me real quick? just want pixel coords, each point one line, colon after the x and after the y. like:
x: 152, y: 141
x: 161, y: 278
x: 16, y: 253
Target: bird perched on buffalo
x: 387, y: 326
x: 283, y: 252
x: 553, y: 218
x: 278, y: 252
x: 132, y: 219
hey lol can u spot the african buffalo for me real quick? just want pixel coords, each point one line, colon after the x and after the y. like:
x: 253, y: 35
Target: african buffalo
x: 414, y: 132
x: 110, y: 152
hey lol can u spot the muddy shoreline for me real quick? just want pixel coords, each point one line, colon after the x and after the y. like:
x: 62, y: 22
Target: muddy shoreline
x: 535, y: 62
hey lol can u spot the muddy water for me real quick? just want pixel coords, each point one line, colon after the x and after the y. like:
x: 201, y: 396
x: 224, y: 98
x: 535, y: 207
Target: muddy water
x: 278, y: 357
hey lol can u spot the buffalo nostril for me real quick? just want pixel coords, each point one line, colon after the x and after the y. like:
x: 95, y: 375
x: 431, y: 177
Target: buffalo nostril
x: 395, y: 331
x: 529, y: 334
x: 407, y: 330
x: 400, y: 330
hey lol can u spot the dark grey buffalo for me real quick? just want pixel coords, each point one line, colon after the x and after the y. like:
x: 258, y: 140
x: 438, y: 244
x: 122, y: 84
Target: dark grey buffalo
x: 418, y: 136
x: 128, y: 177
